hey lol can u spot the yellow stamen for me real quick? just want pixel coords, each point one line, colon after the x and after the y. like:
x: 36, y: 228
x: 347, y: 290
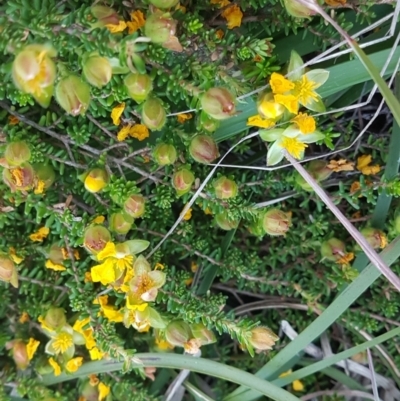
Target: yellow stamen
x: 293, y: 146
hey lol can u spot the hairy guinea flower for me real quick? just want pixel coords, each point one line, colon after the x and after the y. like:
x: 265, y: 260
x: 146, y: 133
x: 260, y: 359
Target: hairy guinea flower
x: 139, y: 131
x: 40, y: 235
x: 293, y: 146
x: 258, y: 121
x: 137, y: 21
x: 280, y: 84
x: 233, y: 16
x: 305, y: 123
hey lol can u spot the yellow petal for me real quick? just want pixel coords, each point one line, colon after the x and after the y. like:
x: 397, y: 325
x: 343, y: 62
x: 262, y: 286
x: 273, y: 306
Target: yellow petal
x: 54, y: 266
x: 233, y: 16
x: 279, y: 84
x: 298, y: 385
x: 95, y: 354
x: 117, y: 112
x: 73, y: 364
x: 108, y: 251
x: 257, y: 121
x: 116, y: 28
x: 31, y: 347
x: 104, y: 390
x: 363, y: 161
x: 55, y: 366
x: 103, y: 273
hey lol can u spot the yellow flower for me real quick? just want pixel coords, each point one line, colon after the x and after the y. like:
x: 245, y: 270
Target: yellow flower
x: 43, y: 324
x: 95, y: 354
x: 98, y: 220
x: 103, y: 273
x: 93, y: 380
x: 233, y: 16
x: 123, y: 132
x: 363, y: 165
x: 383, y: 240
x: 340, y: 165
x: 31, y: 347
x: 139, y: 131
x: 107, y: 251
x: 88, y: 278
x: 73, y: 364
x: 24, y: 317
x: 163, y: 345
x: 117, y: 112
x: 208, y: 211
x: 104, y: 390
x: 54, y: 266
x: 279, y: 84
x: 15, y: 258
x: 40, y: 235
x: 62, y: 341
x: 219, y: 34
x: 304, y: 90
x: 55, y: 366
x: 293, y: 146
x: 112, y: 314
x: 12, y: 120
x: 289, y: 101
x: 137, y: 22
x: 80, y: 324
x: 305, y: 123
x: 116, y: 28
x: 139, y: 307
x: 346, y: 258
x: 355, y: 186
x: 183, y: 117
x: 258, y: 121
x: 39, y: 188
x: 188, y: 214
x: 297, y: 385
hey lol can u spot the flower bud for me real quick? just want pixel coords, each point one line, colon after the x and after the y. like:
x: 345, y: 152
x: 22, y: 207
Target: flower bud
x: 219, y: 103
x: 73, y: 95
x: 96, y: 238
x: 262, y: 339
x: 138, y: 86
x: 268, y: 108
x: 153, y: 114
x: 224, y: 222
x: 135, y: 206
x: 165, y: 154
x: 376, y: 238
x: 96, y: 180
x: 333, y: 249
x: 298, y: 10
x: 318, y: 170
x: 178, y: 333
x: 8, y: 271
x: 17, y: 153
x: 89, y: 392
x: 104, y: 15
x: 163, y: 4
x: 182, y: 181
x: 208, y: 123
x: 56, y: 254
x: 120, y: 222
x: 20, y: 178
x: 225, y: 188
x: 160, y: 27
x: 20, y: 354
x: 97, y: 70
x: 55, y: 318
x: 45, y: 173
x: 201, y: 333
x: 203, y: 149
x: 276, y: 222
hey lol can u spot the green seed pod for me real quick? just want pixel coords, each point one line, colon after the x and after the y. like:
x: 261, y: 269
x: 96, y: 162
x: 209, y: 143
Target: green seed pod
x: 224, y: 222
x: 262, y: 339
x: 333, y: 249
x: 203, y: 149
x: 96, y: 238
x: 138, y: 86
x: 120, y: 222
x: 97, y: 70
x: 55, y: 318
x: 104, y: 16
x: 45, y: 173
x: 153, y: 114
x: 376, y: 238
x: 225, y: 188
x: 17, y: 153
x: 159, y: 27
x: 163, y: 4
x: 178, y: 333
x: 8, y: 271
x: 182, y: 181
x: 201, y: 333
x: 56, y: 254
x: 73, y: 95
x: 276, y: 222
x: 165, y: 154
x: 219, y: 103
x: 20, y: 354
x: 135, y: 205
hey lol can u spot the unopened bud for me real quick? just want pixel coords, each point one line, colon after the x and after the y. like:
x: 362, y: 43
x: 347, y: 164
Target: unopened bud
x: 202, y: 334
x: 163, y: 4
x: 225, y: 188
x: 96, y: 180
x: 203, y: 149
x: 97, y: 70
x: 153, y: 114
x: 138, y: 86
x: 20, y: 178
x: 17, y: 153
x: 56, y: 254
x: 45, y: 173
x: 219, y: 103
x: 160, y: 27
x: 224, y: 222
x: 182, y: 181
x: 120, y: 222
x: 96, y: 238
x: 178, y: 333
x: 207, y: 123
x: 8, y: 271
x: 135, y: 205
x: 297, y: 9
x: 262, y: 339
x: 165, y: 154
x: 104, y: 15
x: 20, y: 354
x: 73, y: 95
x: 376, y: 238
x: 318, y: 170
x: 333, y: 249
x: 268, y: 108
x: 55, y: 318
x: 276, y: 222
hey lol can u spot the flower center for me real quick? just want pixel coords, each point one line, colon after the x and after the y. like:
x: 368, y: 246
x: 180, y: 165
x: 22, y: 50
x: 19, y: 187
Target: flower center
x: 62, y: 342
x: 304, y: 90
x: 145, y: 284
x: 18, y: 176
x: 293, y: 146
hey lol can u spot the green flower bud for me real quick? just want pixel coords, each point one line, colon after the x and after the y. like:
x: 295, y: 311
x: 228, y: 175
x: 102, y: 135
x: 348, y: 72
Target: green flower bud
x: 318, y: 170
x: 20, y: 354
x: 56, y: 254
x: 225, y: 188
x: 17, y: 153
x: 120, y: 222
x: 182, y: 181
x: 165, y: 154
x: 20, y: 178
x: 163, y: 4
x: 104, y: 16
x: 201, y: 333
x: 97, y: 70
x: 208, y: 123
x: 219, y: 103
x: 73, y: 95
x: 262, y: 339
x: 96, y: 238
x: 45, y: 173
x: 297, y: 10
x: 276, y: 222
x: 376, y: 238
x: 138, y: 86
x: 178, y: 333
x: 8, y: 271
x: 96, y: 180
x: 224, y: 222
x: 153, y: 114
x: 333, y: 249
x: 203, y: 149
x: 160, y: 27
x: 268, y: 108
x: 55, y: 318
x: 135, y: 205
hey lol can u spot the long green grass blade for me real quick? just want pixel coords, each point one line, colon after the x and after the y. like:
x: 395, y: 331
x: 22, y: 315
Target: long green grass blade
x: 282, y: 361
